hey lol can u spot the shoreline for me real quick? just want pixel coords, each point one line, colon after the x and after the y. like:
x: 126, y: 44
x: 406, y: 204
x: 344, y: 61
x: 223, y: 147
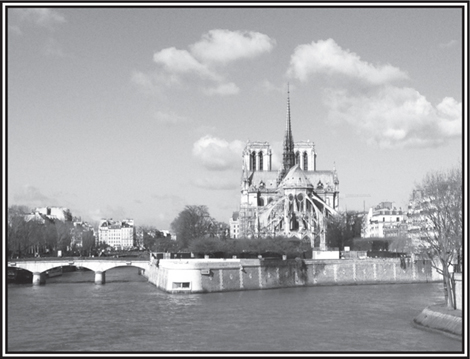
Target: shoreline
x: 439, y: 319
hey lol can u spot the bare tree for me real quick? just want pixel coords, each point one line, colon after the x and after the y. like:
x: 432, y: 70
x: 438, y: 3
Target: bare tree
x: 23, y: 236
x: 441, y: 230
x: 64, y: 234
x: 193, y: 222
x: 342, y: 228
x: 88, y: 241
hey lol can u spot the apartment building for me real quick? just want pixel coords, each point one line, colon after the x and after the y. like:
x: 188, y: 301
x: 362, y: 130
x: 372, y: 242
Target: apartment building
x: 384, y: 220
x: 117, y: 234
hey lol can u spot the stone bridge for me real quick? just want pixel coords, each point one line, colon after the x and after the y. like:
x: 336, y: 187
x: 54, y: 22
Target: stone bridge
x: 99, y: 266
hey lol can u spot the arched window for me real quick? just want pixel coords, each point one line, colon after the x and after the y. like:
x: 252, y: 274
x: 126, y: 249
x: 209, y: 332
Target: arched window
x: 260, y: 154
x: 252, y: 161
x: 297, y: 158
x: 300, y: 202
x: 260, y: 201
x: 305, y: 161
x: 291, y: 202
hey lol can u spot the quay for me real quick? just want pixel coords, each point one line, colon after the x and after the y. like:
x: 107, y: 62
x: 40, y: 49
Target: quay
x: 191, y: 275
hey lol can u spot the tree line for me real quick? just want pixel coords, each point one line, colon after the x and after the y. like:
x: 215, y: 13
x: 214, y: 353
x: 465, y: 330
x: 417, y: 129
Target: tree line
x: 197, y: 232
x: 43, y: 234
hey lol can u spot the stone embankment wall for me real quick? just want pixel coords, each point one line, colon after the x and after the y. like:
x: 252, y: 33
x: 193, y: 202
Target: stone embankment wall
x: 218, y: 275
x: 441, y: 319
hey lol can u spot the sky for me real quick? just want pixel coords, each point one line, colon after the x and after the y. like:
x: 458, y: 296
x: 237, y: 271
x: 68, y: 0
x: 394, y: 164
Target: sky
x: 136, y: 112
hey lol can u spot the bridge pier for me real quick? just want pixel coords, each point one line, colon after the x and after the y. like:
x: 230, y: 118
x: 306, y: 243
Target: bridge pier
x: 39, y: 278
x: 100, y: 277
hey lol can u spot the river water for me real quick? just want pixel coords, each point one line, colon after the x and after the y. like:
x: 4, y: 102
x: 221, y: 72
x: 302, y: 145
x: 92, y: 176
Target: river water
x: 130, y: 315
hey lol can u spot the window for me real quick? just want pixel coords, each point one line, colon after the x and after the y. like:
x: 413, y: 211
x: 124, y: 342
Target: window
x: 297, y: 158
x: 252, y: 161
x: 260, y: 155
x: 305, y: 161
x: 181, y: 285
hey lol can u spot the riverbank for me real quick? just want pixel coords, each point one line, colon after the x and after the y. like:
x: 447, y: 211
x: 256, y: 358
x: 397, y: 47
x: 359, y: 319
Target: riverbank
x: 437, y: 318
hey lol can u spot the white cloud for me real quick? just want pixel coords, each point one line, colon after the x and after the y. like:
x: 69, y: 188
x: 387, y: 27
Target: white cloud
x: 450, y: 113
x: 223, y: 89
x: 181, y: 62
x: 41, y: 16
x: 326, y: 57
x: 366, y: 96
x: 395, y: 117
x: 218, y: 154
x: 203, y: 61
x: 37, y: 18
x: 223, y: 46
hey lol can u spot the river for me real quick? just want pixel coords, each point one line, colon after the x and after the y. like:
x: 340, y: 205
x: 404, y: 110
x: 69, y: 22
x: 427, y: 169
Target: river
x: 130, y: 315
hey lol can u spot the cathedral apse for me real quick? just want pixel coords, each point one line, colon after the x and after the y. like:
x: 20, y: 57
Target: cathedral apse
x: 293, y: 201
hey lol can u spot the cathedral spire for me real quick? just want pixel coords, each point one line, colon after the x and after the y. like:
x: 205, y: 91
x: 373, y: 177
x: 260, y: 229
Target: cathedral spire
x: 288, y: 155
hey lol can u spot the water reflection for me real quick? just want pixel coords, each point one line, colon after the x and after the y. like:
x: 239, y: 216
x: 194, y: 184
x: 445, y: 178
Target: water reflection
x: 183, y: 300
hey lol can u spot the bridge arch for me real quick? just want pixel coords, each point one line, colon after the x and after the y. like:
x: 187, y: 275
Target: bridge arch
x: 40, y: 267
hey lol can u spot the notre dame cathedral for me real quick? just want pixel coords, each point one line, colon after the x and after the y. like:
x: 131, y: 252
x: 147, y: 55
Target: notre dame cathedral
x: 293, y: 201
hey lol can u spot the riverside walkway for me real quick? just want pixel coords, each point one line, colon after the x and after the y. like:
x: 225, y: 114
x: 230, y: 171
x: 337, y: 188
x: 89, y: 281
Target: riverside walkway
x: 100, y: 265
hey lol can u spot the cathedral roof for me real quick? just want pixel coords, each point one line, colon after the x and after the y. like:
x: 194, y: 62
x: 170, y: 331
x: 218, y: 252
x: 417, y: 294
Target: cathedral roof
x: 267, y: 177
x: 295, y: 178
x: 321, y: 179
